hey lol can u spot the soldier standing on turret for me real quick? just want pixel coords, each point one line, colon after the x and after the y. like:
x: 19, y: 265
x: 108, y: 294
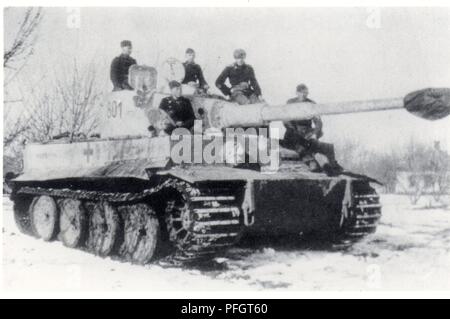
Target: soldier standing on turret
x: 244, y: 86
x: 303, y: 136
x: 120, y: 66
x: 193, y: 72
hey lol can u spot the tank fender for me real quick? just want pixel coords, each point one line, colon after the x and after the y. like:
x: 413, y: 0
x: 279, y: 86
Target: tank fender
x: 139, y: 168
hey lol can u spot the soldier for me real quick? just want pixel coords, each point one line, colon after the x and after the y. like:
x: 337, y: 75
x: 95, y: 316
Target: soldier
x: 193, y: 72
x: 244, y: 86
x: 303, y: 137
x: 120, y: 66
x: 178, y: 109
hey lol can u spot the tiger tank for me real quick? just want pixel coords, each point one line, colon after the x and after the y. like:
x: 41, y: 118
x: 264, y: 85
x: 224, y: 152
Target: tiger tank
x: 140, y: 195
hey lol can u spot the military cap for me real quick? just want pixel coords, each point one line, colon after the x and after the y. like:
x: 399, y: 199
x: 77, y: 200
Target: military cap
x: 189, y: 51
x: 239, y: 53
x: 125, y: 43
x: 301, y: 87
x: 174, y: 84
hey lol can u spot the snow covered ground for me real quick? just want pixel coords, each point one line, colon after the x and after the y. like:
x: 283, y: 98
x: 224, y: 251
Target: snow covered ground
x: 410, y: 250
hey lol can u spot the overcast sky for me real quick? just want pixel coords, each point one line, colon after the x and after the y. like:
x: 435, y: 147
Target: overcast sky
x: 341, y: 54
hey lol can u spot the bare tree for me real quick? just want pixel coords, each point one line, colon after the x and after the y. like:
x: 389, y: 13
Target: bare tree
x: 80, y: 96
x: 427, y: 170
x: 440, y: 168
x: 42, y: 109
x: 22, y: 45
x: 384, y: 167
x: 15, y: 57
x: 415, y: 160
x: 14, y: 127
x: 69, y: 109
x: 352, y: 155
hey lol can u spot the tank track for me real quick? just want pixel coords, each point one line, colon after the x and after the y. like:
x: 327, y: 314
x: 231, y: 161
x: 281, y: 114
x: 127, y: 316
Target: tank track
x: 208, y: 220
x: 203, y: 221
x: 363, y: 215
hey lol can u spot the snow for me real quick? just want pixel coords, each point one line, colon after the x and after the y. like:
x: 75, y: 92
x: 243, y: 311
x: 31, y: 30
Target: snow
x: 409, y: 251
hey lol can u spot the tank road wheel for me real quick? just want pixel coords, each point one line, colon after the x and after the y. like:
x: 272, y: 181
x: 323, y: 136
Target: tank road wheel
x: 72, y: 222
x: 141, y: 233
x: 44, y: 217
x: 22, y: 215
x: 103, y: 228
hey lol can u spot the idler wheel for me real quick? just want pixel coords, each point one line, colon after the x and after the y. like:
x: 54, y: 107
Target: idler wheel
x: 103, y: 228
x: 44, y: 217
x: 72, y: 222
x: 141, y: 233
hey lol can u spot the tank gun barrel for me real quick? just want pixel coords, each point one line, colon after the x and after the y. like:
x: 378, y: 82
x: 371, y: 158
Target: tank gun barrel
x: 430, y: 104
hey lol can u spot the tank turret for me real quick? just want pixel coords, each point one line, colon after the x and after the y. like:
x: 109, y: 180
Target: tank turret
x: 133, y: 112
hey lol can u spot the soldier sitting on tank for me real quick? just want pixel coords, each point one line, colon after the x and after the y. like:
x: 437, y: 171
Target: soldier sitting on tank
x: 303, y: 137
x: 120, y: 66
x: 244, y: 86
x: 180, y: 113
x: 193, y: 73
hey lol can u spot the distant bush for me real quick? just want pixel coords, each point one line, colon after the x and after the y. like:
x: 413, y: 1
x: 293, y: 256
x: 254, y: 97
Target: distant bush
x: 416, y: 159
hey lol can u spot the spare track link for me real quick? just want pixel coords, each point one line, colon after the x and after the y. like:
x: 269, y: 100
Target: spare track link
x: 364, y: 214
x: 212, y: 220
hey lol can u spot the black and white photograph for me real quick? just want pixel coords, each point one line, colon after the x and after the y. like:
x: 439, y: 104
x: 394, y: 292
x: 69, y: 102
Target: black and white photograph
x: 225, y: 150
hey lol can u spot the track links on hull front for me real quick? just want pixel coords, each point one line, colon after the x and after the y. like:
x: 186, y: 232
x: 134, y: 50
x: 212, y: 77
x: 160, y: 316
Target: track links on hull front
x: 364, y: 214
x: 203, y: 221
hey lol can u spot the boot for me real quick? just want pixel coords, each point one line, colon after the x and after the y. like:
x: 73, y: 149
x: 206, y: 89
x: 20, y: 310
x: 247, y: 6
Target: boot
x: 333, y: 168
x: 313, y: 166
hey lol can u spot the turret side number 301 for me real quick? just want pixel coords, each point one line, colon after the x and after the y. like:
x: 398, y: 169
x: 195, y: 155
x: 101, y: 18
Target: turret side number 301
x: 114, y: 109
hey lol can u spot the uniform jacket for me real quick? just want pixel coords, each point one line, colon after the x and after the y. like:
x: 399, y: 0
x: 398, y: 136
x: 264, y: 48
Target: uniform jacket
x: 119, y: 72
x: 304, y: 127
x: 179, y: 109
x: 193, y: 73
x: 237, y: 74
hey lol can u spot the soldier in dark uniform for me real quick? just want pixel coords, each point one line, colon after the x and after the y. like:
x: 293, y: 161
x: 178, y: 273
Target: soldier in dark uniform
x: 120, y: 66
x: 303, y: 137
x: 193, y: 72
x: 178, y: 109
x: 244, y: 86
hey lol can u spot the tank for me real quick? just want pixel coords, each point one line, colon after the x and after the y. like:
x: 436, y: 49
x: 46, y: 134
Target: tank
x: 124, y: 193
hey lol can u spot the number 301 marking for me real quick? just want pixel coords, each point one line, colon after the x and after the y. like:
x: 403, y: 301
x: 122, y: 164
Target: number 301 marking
x: 115, y: 109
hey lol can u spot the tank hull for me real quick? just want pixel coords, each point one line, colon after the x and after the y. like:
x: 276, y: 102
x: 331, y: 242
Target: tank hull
x: 291, y: 202
x: 200, y: 209
x: 279, y: 203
